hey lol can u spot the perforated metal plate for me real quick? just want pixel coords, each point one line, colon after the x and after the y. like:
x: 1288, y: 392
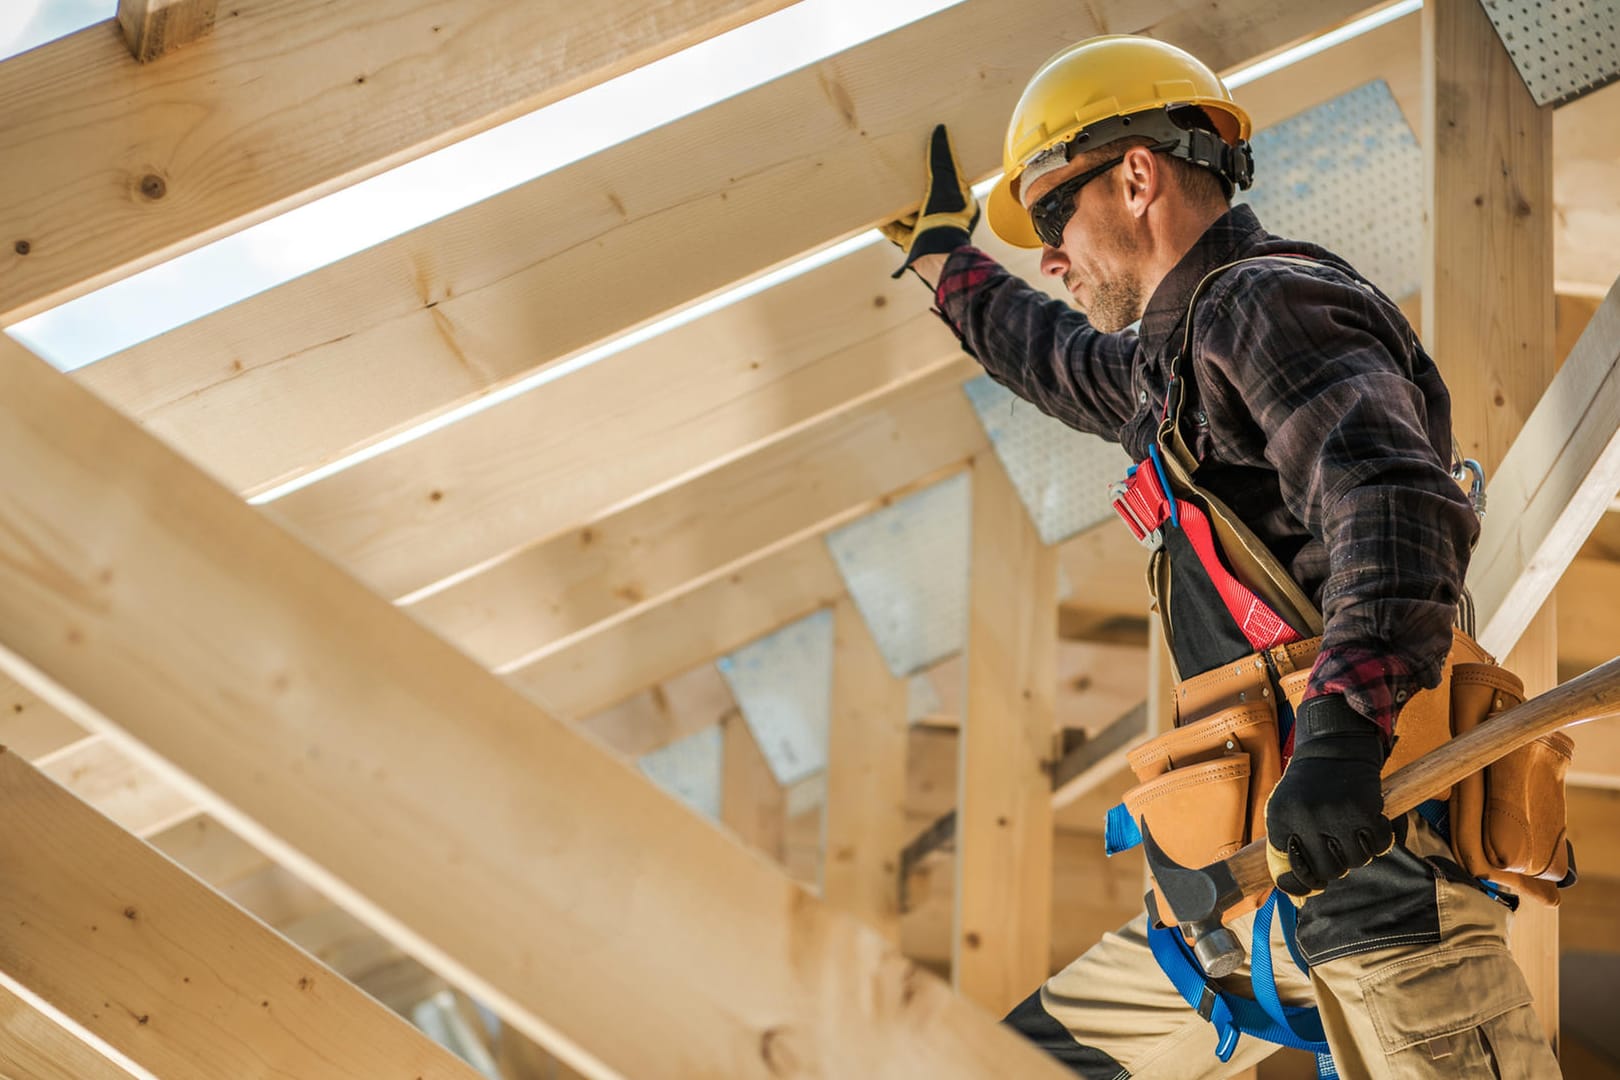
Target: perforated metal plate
x: 1062, y: 475
x: 783, y: 685
x: 689, y: 769
x: 1348, y: 175
x: 906, y: 567
x: 1562, y: 48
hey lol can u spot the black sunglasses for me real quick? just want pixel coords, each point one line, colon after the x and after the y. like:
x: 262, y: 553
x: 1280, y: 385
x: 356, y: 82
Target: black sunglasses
x: 1051, y: 213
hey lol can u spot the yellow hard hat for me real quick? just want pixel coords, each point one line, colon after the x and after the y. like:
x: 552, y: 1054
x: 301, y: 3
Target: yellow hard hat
x: 1106, y: 79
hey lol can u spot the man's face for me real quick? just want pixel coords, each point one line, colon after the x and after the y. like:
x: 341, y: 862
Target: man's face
x: 1098, y: 257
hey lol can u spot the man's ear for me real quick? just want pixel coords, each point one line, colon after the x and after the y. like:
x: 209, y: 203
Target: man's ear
x: 1143, y: 177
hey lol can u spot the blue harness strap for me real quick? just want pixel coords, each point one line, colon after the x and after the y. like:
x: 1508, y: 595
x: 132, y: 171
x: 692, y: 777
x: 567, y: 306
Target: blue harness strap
x: 1264, y: 1016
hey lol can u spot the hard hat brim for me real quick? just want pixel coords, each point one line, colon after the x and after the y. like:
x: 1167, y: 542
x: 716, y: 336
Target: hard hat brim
x: 1008, y: 218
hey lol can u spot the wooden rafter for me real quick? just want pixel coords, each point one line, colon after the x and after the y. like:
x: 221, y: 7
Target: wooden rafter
x: 154, y: 28
x: 93, y: 917
x: 516, y: 282
x: 404, y: 779
x: 616, y: 565
x: 129, y: 164
x: 1552, y: 486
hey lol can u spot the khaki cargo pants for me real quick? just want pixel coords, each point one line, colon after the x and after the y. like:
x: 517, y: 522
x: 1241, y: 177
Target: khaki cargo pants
x: 1410, y: 970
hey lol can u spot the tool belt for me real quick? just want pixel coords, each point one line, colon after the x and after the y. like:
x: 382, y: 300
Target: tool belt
x: 1203, y: 786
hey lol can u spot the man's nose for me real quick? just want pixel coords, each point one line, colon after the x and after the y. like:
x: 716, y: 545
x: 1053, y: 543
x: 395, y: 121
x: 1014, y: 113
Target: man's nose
x: 1053, y: 262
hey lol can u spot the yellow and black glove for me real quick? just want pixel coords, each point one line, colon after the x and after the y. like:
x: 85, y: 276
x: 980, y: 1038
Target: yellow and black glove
x: 948, y: 213
x: 1326, y: 815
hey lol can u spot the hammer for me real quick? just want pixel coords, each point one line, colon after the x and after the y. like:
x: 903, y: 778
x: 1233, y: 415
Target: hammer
x: 1200, y: 897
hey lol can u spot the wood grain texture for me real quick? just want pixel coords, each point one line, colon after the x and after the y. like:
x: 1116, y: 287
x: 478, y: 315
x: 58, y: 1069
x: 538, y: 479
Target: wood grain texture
x: 35, y: 1047
x: 632, y: 424
x: 167, y: 972
x: 866, y: 778
x: 135, y: 797
x: 532, y: 604
x: 285, y: 101
x: 752, y: 804
x: 1488, y: 316
x: 469, y: 302
x: 1008, y: 745
x: 1553, y: 485
x: 417, y: 789
x: 154, y: 28
x: 723, y: 614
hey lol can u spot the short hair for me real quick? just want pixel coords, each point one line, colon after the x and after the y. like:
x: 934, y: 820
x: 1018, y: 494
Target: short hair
x: 1200, y: 185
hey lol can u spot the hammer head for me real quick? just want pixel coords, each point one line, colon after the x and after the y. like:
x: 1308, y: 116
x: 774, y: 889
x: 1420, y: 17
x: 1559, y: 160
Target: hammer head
x: 1197, y: 899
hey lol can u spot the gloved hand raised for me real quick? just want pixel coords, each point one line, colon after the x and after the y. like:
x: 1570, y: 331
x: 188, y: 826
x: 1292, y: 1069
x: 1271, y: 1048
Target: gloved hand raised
x: 1326, y: 815
x: 948, y: 213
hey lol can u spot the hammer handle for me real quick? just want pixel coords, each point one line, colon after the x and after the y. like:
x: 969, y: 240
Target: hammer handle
x: 1592, y: 696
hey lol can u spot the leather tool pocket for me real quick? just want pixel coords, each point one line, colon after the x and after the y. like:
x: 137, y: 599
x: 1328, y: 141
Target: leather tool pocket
x: 1204, y: 786
x: 1197, y: 814
x: 1508, y: 821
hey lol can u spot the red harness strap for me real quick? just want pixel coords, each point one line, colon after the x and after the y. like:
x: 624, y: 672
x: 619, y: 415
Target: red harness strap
x: 1141, y: 501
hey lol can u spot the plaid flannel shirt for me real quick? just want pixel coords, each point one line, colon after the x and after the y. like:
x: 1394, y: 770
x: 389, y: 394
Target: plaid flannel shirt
x: 1314, y: 414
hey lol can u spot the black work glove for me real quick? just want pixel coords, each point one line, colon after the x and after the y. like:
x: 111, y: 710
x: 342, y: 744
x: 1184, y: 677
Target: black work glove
x: 1326, y: 815
x: 948, y: 213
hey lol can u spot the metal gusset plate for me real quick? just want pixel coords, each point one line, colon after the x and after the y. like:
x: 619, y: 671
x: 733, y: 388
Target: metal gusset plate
x: 1562, y: 48
x: 1348, y: 175
x: 783, y: 685
x: 1062, y: 475
x: 906, y: 568
x: 689, y: 769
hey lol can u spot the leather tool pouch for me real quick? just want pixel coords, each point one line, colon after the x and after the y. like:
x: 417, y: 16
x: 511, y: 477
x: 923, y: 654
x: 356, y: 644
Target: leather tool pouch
x: 1205, y: 783
x: 1508, y: 821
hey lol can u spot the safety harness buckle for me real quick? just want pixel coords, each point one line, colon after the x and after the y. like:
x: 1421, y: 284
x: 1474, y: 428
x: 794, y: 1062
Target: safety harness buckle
x: 1149, y: 536
x: 1206, y: 1002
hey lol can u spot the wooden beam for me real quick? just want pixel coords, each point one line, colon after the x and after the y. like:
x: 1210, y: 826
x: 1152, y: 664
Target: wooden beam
x: 752, y: 804
x: 672, y: 709
x: 31, y: 727
x: 866, y: 778
x: 543, y: 463
x: 1553, y: 486
x: 154, y: 28
x: 1091, y: 894
x: 131, y: 164
x: 469, y: 302
x: 1488, y: 317
x: 387, y: 767
x: 135, y: 797
x: 516, y: 611
x: 133, y: 950
x: 35, y: 1047
x: 723, y: 614
x: 1003, y: 925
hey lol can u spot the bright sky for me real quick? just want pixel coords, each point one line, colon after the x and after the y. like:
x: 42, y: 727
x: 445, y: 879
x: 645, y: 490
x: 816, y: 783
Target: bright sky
x: 358, y: 217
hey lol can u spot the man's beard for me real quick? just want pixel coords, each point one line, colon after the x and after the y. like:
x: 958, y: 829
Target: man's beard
x: 1115, y: 302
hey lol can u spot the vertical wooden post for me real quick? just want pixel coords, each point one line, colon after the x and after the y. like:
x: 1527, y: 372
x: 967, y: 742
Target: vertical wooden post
x: 1002, y: 924
x: 865, y: 823
x: 752, y: 804
x: 1488, y: 303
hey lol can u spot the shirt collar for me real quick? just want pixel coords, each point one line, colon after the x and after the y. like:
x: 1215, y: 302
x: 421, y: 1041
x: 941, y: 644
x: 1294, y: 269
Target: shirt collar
x: 1233, y: 232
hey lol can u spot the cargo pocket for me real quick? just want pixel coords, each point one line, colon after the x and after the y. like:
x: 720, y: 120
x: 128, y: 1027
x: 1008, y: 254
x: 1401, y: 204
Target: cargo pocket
x: 1457, y: 1012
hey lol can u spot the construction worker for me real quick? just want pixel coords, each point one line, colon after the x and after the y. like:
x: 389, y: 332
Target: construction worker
x: 1284, y: 406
